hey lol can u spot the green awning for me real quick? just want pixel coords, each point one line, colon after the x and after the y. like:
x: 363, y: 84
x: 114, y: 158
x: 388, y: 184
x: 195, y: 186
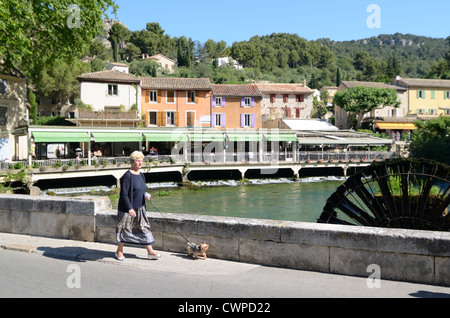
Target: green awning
x: 60, y: 136
x: 281, y: 137
x: 165, y: 137
x: 117, y: 136
x: 244, y: 137
x: 207, y: 137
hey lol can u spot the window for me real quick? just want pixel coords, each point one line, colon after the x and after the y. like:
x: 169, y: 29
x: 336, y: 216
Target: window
x: 298, y: 112
x: 247, y: 120
x: 432, y: 111
x: 3, y: 115
x: 420, y: 94
x: 247, y: 101
x: 170, y: 118
x: 3, y: 86
x: 285, y: 98
x: 190, y: 119
x: 218, y: 120
x: 152, y: 118
x: 153, y: 96
x: 171, y: 96
x: 218, y: 102
x: 300, y: 98
x: 191, y: 97
x: 421, y: 112
x: 447, y: 112
x: 447, y: 95
x: 272, y: 98
x: 112, y: 90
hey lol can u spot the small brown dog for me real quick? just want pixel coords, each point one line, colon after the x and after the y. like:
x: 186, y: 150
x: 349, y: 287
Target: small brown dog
x: 195, y: 250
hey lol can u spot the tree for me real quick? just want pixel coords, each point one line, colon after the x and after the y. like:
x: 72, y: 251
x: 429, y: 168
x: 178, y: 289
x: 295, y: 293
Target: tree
x: 361, y: 100
x: 431, y: 139
x: 34, y: 34
x: 338, y: 77
x: 117, y: 34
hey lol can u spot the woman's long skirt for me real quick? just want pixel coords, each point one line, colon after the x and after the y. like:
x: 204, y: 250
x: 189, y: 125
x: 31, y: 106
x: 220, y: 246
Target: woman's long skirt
x: 134, y: 230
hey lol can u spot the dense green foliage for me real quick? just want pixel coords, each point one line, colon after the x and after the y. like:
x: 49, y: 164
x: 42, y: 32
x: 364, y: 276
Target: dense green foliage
x: 432, y: 139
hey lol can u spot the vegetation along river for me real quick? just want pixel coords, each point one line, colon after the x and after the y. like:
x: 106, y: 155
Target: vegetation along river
x: 276, y: 199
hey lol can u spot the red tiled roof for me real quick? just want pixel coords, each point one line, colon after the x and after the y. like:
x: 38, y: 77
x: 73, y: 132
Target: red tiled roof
x: 171, y: 83
x: 351, y: 84
x: 109, y: 77
x: 236, y: 90
x: 284, y: 89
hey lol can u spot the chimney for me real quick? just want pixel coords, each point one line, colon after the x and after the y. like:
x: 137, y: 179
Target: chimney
x: 304, y: 82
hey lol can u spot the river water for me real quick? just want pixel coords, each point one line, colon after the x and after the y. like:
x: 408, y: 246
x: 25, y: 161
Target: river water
x: 274, y: 199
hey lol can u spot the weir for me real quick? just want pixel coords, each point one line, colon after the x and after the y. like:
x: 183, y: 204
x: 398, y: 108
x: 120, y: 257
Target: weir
x: 184, y: 173
x: 404, y: 255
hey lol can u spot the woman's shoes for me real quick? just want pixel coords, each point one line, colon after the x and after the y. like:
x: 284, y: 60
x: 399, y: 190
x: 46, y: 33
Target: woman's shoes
x: 119, y: 258
x: 154, y: 257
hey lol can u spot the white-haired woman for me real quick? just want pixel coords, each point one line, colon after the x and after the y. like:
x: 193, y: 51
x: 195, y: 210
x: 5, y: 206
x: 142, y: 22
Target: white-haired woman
x: 133, y: 225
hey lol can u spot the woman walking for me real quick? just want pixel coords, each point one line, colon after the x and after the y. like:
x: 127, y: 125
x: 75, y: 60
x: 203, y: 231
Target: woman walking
x: 133, y: 225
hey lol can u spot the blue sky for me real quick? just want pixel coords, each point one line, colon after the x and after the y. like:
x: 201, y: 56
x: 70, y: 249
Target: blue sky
x: 232, y: 20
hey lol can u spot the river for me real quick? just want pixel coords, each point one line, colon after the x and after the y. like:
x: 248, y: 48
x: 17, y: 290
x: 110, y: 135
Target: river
x: 274, y: 199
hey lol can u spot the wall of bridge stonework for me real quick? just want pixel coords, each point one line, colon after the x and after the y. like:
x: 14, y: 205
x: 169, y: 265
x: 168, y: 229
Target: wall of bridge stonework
x: 395, y: 254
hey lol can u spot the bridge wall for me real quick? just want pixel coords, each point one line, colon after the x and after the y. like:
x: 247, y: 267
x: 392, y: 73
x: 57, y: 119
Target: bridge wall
x: 404, y: 255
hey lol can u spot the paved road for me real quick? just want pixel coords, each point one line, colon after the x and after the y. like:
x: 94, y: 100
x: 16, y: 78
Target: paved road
x: 40, y: 267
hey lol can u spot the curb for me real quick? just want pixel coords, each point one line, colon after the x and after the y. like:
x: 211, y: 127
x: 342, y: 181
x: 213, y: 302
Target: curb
x: 19, y: 248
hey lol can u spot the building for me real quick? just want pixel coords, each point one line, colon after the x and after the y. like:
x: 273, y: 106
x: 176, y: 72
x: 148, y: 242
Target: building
x: 166, y: 63
x: 389, y: 114
x: 176, y: 102
x: 285, y: 101
x: 236, y: 106
x: 228, y: 61
x: 427, y: 98
x: 121, y: 67
x: 13, y: 115
x: 331, y: 91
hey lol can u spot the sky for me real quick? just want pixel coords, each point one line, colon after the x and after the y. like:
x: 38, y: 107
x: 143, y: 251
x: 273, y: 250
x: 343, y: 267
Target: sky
x: 239, y: 20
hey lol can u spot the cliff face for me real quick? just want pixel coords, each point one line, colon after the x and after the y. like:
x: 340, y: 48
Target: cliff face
x: 107, y: 25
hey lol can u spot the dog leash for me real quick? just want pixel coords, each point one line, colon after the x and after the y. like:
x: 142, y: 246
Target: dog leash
x: 169, y: 222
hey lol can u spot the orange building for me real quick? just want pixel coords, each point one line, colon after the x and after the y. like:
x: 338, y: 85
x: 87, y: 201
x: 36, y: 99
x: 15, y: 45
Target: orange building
x: 236, y: 106
x: 176, y: 102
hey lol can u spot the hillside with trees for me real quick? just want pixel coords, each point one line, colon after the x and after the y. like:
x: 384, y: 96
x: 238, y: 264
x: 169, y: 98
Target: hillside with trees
x: 278, y: 57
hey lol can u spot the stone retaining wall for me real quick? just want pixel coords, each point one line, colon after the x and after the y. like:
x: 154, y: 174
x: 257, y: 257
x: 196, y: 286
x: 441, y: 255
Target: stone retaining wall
x: 404, y: 255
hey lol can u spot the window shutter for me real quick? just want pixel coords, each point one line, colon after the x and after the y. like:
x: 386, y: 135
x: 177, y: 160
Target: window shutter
x: 302, y: 98
x: 147, y: 93
x: 252, y: 119
x: 177, y: 119
x: 213, y: 101
x: 161, y: 119
x: 223, y: 101
x: 253, y: 102
x: 213, y: 120
x: 196, y: 97
x: 272, y: 98
x: 433, y: 94
x: 242, y: 101
x: 224, y: 116
x: 242, y: 120
x: 159, y: 96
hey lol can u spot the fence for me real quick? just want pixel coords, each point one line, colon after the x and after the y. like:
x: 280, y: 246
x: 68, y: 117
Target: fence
x: 207, y: 158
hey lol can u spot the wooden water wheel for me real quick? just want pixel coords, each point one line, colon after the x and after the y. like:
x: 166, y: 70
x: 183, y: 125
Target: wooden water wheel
x: 399, y: 193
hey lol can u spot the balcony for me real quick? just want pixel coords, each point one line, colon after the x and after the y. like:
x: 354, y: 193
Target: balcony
x: 87, y: 118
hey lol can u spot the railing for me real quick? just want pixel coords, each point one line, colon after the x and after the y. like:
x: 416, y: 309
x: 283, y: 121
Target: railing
x: 107, y: 115
x: 210, y: 158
